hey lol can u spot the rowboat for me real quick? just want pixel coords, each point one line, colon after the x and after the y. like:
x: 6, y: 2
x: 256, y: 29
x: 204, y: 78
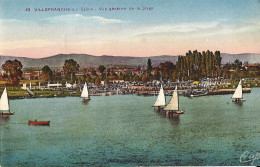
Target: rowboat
x: 41, y: 123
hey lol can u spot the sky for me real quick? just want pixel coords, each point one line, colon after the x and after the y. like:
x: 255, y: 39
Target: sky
x: 140, y: 28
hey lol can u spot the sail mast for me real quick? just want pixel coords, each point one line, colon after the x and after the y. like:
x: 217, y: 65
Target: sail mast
x: 178, y: 97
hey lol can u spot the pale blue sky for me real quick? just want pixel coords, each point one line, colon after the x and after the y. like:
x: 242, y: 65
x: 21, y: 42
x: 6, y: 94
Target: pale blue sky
x: 171, y: 27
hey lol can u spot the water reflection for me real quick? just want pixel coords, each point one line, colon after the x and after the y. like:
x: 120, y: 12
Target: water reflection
x: 160, y: 112
x: 4, y: 119
x: 174, y: 119
x: 85, y: 102
x: 239, y: 105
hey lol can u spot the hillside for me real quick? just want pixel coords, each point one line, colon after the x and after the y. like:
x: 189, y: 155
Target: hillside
x: 245, y: 57
x: 85, y: 60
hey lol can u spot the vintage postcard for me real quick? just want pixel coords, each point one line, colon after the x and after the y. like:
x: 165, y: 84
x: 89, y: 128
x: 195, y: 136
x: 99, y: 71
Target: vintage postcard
x: 129, y: 82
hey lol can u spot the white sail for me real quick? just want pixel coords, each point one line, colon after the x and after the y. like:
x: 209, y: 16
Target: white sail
x: 4, y: 104
x: 85, y: 91
x: 174, y: 102
x: 160, y: 99
x: 238, y: 92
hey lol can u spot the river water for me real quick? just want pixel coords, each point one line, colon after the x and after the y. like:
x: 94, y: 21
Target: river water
x: 124, y: 130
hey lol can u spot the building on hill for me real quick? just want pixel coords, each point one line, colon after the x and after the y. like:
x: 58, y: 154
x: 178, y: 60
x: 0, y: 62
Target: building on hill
x: 251, y: 66
x: 32, y: 74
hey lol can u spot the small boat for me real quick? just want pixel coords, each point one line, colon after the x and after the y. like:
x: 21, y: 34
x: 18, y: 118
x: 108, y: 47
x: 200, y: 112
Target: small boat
x: 4, y: 104
x: 238, y: 95
x: 160, y: 101
x: 179, y: 112
x: 172, y: 107
x: 40, y: 123
x: 85, y: 94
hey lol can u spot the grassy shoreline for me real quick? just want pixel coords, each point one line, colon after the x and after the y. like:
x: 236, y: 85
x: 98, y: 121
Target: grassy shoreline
x: 21, y: 94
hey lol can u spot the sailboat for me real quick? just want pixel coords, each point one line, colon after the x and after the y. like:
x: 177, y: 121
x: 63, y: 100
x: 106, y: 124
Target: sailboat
x: 4, y: 104
x: 160, y: 101
x: 238, y: 95
x: 85, y: 94
x: 173, y: 105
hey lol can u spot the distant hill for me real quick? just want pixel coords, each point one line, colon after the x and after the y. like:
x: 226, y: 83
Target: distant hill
x: 245, y: 57
x: 85, y: 60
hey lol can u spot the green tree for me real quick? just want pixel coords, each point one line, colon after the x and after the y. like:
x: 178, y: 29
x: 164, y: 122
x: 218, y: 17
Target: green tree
x: 203, y: 64
x: 237, y: 64
x: 196, y: 65
x: 57, y: 76
x: 13, y: 70
x: 144, y: 78
x: 218, y: 62
x: 149, y: 66
x: 149, y: 69
x: 136, y: 78
x: 167, y: 69
x: 101, y: 68
x: 47, y: 73
x: 175, y: 76
x: 97, y: 81
x: 157, y: 74
x: 88, y: 78
x: 70, y: 68
x: 93, y: 72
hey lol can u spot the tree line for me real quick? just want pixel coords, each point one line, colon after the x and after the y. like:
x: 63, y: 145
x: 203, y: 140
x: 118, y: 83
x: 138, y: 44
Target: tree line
x: 196, y: 65
x: 193, y: 66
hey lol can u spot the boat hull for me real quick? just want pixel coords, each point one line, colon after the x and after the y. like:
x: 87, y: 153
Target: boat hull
x: 39, y: 123
x: 158, y: 108
x: 179, y: 112
x: 86, y: 100
x: 169, y: 113
x: 238, y: 100
x: 7, y: 113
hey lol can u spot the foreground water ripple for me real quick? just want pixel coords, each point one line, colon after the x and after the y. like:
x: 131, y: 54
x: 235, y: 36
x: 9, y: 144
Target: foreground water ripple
x: 124, y: 130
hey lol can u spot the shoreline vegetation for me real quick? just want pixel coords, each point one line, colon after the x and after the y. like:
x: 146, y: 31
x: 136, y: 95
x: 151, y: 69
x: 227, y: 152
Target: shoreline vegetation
x: 15, y: 92
x: 195, y: 74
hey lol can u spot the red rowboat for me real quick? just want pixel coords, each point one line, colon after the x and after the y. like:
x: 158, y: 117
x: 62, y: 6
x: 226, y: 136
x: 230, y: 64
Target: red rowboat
x: 42, y: 123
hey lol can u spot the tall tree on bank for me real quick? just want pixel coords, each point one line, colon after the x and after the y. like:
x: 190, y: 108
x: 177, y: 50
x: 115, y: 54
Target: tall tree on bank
x: 196, y: 65
x: 101, y: 68
x: 149, y: 69
x: 97, y: 81
x: 13, y: 69
x: 149, y: 65
x: 47, y: 73
x: 167, y: 69
x: 70, y: 68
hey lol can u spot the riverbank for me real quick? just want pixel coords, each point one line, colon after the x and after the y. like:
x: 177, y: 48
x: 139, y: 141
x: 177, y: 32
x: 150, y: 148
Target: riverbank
x: 21, y: 94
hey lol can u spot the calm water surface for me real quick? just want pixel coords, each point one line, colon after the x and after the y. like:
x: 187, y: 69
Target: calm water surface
x: 124, y: 130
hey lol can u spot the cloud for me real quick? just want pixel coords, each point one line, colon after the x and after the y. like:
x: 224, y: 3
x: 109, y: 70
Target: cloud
x: 201, y: 28
x: 74, y: 27
x: 77, y: 18
x: 177, y: 28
